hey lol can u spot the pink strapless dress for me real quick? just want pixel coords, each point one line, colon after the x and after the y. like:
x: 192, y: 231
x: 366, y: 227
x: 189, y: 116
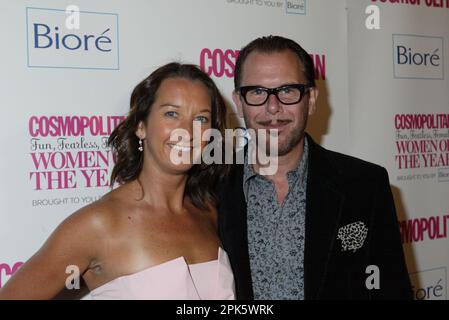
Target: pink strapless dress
x: 174, y: 280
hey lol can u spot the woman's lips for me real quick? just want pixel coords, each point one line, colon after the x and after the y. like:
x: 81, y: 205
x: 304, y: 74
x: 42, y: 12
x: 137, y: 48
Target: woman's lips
x: 179, y: 147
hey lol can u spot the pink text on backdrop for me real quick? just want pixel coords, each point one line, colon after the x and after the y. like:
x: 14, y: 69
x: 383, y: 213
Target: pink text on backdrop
x: 442, y: 4
x: 56, y: 126
x: 425, y: 228
x: 58, y: 170
x: 7, y: 271
x: 221, y: 62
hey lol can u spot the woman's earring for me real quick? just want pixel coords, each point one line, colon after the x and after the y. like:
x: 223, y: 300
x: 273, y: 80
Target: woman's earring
x: 140, y: 145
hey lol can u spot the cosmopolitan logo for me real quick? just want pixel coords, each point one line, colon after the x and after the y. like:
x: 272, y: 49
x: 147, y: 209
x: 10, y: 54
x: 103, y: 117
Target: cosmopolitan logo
x: 51, y: 44
x: 218, y: 62
x: 426, y: 228
x: 421, y: 121
x: 422, y: 141
x: 68, y: 152
x: 440, y: 4
x: 221, y: 63
x: 418, y: 57
x: 7, y: 270
x: 430, y: 284
x: 55, y: 126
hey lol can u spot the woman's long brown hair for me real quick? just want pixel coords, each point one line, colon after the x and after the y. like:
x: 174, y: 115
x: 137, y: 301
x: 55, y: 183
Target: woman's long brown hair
x: 202, y: 179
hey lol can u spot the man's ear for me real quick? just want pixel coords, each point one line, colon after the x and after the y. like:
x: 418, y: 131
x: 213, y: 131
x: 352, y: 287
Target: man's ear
x: 140, y: 132
x: 313, y: 97
x: 237, y: 102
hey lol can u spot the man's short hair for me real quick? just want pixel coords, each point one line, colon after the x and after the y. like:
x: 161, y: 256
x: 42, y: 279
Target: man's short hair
x: 274, y: 44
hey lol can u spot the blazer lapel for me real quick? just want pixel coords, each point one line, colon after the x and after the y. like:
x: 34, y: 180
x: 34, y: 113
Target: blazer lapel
x: 323, y: 210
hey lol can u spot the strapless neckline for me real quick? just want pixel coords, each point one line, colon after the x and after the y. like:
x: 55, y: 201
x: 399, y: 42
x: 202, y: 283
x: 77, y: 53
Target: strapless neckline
x: 180, y: 259
x: 192, y: 278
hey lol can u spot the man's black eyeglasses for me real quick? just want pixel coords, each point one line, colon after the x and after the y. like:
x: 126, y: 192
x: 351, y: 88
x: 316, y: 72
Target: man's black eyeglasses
x: 287, y: 94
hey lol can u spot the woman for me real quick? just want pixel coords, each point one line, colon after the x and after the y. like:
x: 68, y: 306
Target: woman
x: 154, y: 236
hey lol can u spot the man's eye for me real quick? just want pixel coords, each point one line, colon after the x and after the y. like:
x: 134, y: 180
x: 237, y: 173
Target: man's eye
x: 257, y: 91
x: 286, y: 90
x: 170, y: 114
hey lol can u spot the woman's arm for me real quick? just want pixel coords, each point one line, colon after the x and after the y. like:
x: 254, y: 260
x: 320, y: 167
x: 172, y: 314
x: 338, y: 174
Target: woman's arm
x: 44, y: 275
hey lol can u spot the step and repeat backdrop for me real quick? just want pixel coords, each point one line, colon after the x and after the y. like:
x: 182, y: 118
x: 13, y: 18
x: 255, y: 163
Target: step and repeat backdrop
x: 68, y: 69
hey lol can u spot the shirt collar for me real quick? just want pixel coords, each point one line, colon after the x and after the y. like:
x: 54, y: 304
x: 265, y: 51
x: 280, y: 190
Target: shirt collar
x: 298, y: 173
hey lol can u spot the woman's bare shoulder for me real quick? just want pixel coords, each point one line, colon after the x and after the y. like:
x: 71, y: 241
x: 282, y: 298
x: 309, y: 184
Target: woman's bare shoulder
x: 97, y: 216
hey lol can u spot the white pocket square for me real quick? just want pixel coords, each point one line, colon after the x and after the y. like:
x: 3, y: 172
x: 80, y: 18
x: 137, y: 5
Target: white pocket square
x: 352, y: 236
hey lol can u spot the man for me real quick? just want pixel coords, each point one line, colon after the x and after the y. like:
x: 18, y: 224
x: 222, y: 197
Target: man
x: 324, y: 225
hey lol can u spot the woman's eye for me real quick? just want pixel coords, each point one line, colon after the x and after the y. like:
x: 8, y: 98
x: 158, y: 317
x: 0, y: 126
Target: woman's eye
x: 170, y: 114
x: 202, y: 119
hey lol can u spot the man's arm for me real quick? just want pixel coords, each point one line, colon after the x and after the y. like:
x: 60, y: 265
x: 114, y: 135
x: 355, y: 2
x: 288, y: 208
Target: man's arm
x: 386, y: 247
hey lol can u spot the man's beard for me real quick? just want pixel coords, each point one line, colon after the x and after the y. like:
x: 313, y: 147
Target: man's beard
x: 291, y: 141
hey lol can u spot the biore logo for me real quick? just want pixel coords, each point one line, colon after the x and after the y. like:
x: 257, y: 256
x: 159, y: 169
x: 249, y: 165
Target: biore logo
x: 418, y: 57
x: 295, y: 6
x: 221, y: 63
x: 443, y: 175
x: 50, y: 44
x: 6, y: 271
x: 430, y: 284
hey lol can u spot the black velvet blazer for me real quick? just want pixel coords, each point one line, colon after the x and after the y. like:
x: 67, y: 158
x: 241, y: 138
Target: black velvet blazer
x: 341, y: 190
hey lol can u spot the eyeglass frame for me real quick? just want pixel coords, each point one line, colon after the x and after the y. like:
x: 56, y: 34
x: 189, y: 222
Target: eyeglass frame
x: 243, y: 90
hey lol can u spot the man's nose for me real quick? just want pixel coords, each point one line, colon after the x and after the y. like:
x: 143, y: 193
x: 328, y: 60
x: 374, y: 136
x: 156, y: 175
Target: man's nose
x: 273, y: 105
